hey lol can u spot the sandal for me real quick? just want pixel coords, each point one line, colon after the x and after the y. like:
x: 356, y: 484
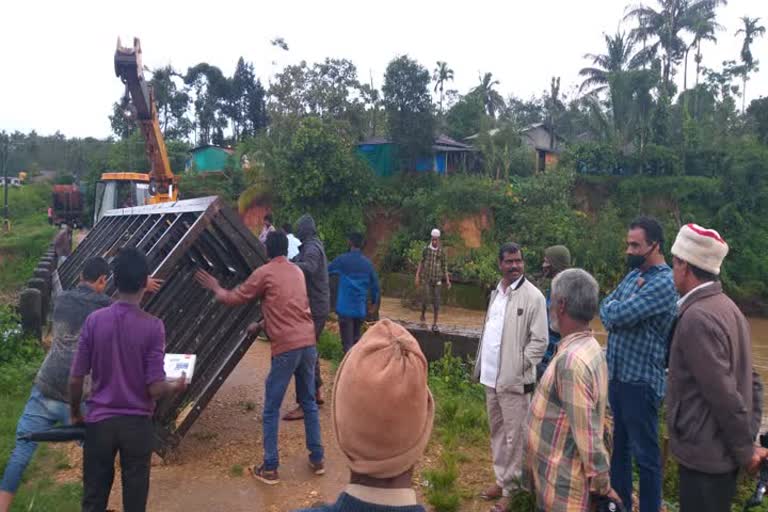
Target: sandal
x: 493, y: 492
x: 501, y: 506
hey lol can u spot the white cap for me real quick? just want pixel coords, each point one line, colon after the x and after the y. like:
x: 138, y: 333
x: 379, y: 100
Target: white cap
x: 701, y: 247
x: 435, y: 233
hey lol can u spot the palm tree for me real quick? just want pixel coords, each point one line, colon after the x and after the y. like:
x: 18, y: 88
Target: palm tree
x: 440, y: 75
x: 703, y: 29
x: 666, y: 25
x: 751, y: 31
x: 492, y: 100
x: 618, y: 58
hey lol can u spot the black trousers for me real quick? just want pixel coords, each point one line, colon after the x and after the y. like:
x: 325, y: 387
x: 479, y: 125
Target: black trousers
x: 349, y: 328
x: 705, y: 492
x: 131, y: 437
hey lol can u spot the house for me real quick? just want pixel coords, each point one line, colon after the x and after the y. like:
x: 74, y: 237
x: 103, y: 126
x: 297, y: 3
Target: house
x: 537, y: 136
x: 447, y: 156
x: 208, y: 158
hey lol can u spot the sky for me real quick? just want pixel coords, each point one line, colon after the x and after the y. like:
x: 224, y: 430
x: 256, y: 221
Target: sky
x: 57, y: 57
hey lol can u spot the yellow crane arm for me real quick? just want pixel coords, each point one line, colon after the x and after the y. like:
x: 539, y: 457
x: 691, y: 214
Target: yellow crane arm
x: 129, y: 68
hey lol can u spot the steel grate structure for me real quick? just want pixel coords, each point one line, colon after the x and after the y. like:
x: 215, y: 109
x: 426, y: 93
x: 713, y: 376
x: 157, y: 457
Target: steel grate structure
x: 180, y: 238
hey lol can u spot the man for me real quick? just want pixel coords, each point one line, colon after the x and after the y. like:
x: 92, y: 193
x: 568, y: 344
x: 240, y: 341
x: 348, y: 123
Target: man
x: 280, y: 286
x: 313, y: 262
x: 556, y: 259
x: 381, y: 439
x: 431, y: 271
x: 638, y: 316
x: 566, y: 458
x: 62, y: 244
x: 357, y: 281
x: 48, y: 403
x: 122, y: 348
x: 293, y: 242
x: 710, y: 411
x: 267, y: 229
x: 513, y: 340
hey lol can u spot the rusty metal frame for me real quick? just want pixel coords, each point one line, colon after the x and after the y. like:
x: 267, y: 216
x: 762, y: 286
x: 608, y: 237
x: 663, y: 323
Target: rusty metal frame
x: 180, y: 238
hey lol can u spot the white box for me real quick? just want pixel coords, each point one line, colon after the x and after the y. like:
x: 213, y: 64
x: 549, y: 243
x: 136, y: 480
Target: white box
x: 176, y: 364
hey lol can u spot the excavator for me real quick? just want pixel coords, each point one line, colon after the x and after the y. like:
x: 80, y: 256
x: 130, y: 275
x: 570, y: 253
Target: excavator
x: 128, y: 189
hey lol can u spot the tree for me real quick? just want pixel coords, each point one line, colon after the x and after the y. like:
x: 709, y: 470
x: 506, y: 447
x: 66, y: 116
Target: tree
x: 752, y: 30
x: 758, y: 113
x: 491, y: 98
x: 440, y: 75
x: 172, y: 104
x: 467, y: 117
x: 554, y: 107
x: 212, y: 93
x: 703, y: 28
x: 247, y: 102
x: 408, y: 105
x: 619, y: 57
x: 666, y: 25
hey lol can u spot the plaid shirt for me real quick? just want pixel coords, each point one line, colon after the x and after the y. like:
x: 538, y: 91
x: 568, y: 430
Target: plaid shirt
x: 565, y: 456
x: 433, y: 266
x: 639, y: 320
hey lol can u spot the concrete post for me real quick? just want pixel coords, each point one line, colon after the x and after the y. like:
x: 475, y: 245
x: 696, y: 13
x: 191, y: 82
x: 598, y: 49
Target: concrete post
x: 30, y: 308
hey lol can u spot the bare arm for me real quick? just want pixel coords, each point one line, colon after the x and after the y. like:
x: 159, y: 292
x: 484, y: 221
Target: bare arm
x: 75, y: 399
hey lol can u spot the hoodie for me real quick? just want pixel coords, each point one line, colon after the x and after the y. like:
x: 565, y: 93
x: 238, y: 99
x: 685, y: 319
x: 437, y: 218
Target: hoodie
x: 312, y: 260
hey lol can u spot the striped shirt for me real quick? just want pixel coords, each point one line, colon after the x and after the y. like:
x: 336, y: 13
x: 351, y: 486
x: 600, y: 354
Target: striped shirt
x: 565, y: 455
x: 639, y: 316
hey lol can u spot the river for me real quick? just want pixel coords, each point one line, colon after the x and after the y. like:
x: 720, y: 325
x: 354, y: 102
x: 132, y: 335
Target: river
x: 393, y: 308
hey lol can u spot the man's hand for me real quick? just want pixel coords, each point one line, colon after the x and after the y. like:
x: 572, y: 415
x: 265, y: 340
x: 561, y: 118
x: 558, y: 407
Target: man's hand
x: 207, y: 281
x: 180, y: 385
x: 76, y: 418
x: 255, y: 328
x: 758, y: 455
x: 612, y: 495
x: 154, y: 285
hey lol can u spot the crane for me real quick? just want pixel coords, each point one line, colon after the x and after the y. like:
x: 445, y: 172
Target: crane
x: 160, y: 185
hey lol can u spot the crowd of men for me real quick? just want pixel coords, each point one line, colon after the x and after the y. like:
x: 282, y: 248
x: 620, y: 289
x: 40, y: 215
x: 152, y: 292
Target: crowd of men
x: 550, y: 387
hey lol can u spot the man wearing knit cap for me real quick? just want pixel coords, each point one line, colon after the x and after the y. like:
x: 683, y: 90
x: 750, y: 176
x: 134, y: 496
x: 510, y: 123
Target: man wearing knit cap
x: 431, y: 271
x: 556, y: 259
x: 381, y: 439
x: 711, y: 405
x: 513, y: 340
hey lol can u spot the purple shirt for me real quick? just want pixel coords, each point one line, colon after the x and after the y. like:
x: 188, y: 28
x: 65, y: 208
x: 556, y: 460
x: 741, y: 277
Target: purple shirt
x: 122, y: 347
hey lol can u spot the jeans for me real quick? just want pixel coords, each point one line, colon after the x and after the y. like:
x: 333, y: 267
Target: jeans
x: 300, y: 362
x: 635, y: 410
x: 349, y: 328
x: 40, y: 413
x: 319, y: 322
x: 131, y: 436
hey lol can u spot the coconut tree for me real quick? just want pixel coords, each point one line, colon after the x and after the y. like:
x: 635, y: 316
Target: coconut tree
x: 703, y: 28
x: 665, y: 26
x: 752, y: 30
x: 618, y: 57
x: 492, y: 100
x: 440, y: 75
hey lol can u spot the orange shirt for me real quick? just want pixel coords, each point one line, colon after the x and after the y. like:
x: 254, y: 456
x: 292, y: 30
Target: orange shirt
x: 283, y: 292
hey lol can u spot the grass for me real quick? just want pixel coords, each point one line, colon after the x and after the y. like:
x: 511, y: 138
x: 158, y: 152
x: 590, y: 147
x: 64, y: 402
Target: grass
x: 30, y: 234
x: 236, y: 470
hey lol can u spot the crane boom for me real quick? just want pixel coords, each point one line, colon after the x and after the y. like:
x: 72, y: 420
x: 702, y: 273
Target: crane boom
x: 129, y: 68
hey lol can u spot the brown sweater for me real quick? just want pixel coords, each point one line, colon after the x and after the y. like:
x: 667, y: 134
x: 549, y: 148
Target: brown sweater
x: 280, y: 286
x: 710, y: 393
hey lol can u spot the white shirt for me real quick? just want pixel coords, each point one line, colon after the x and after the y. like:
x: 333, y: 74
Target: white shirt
x: 685, y: 297
x: 494, y: 327
x: 293, y: 246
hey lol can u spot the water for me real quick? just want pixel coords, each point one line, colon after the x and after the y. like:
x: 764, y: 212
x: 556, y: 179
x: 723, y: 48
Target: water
x: 393, y: 308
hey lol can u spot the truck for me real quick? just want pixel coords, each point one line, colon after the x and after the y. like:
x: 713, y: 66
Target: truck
x: 67, y: 205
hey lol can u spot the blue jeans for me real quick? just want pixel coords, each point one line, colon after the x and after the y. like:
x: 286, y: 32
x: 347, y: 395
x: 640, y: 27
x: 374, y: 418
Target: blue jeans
x: 40, y: 413
x: 635, y: 410
x: 301, y: 362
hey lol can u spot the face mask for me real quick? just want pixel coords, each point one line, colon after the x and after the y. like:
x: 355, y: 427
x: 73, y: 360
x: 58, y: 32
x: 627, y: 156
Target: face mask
x: 637, y: 260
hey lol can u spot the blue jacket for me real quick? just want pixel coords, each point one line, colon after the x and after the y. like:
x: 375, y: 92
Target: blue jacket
x: 357, y: 279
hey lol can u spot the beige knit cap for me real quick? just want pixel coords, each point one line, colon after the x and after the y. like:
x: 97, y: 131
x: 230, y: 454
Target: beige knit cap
x: 382, y: 407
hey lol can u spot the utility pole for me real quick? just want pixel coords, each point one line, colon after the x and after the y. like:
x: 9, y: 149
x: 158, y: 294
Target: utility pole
x: 5, y: 149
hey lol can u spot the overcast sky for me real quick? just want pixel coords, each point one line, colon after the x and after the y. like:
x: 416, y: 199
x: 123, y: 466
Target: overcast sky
x: 57, y: 56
